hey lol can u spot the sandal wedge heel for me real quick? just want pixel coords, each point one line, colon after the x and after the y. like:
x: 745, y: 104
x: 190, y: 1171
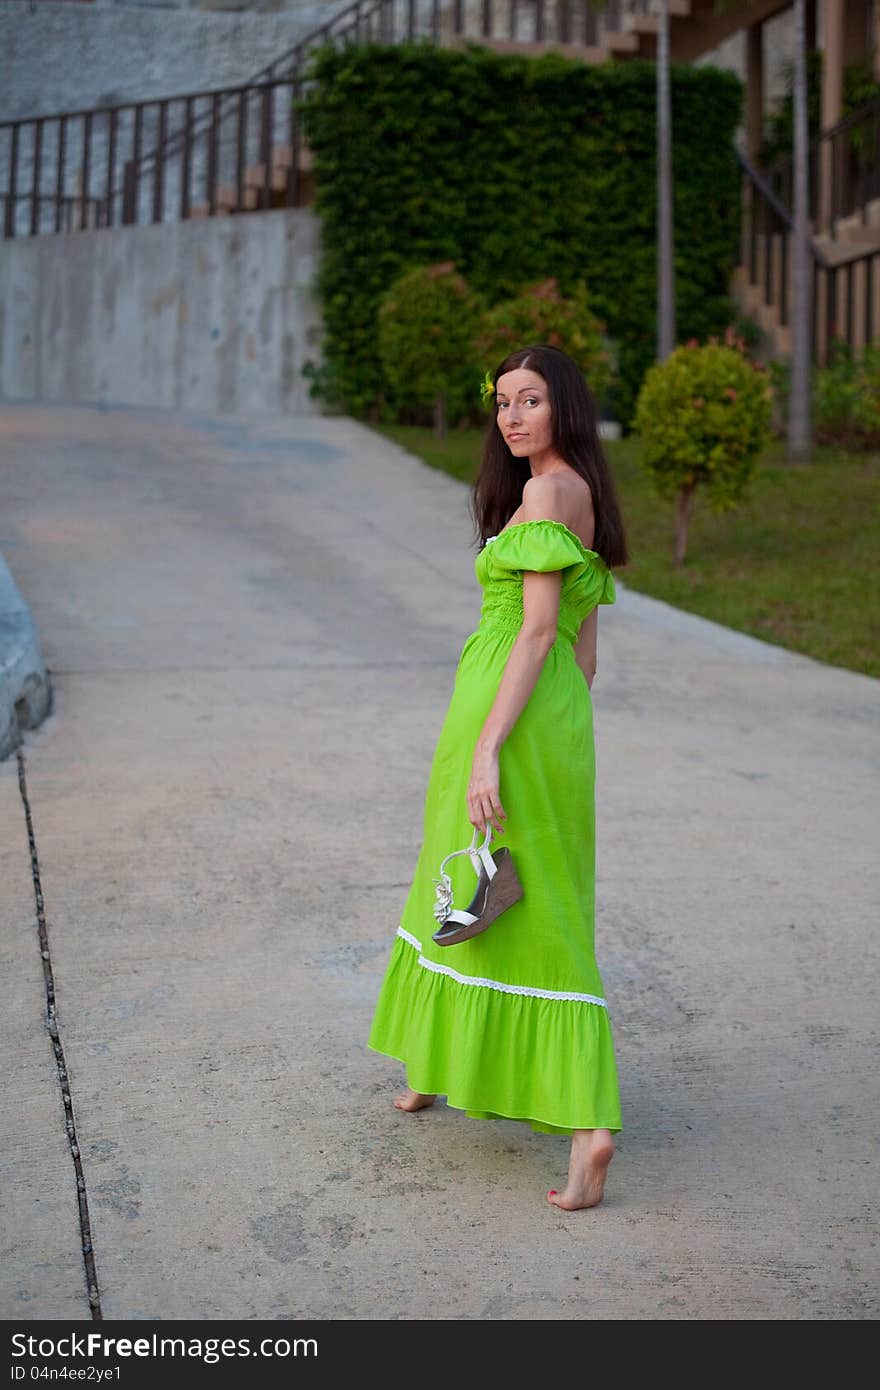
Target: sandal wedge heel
x: 498, y: 887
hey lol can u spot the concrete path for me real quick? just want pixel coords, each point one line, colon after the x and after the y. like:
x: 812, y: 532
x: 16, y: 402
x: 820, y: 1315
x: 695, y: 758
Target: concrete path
x: 252, y: 630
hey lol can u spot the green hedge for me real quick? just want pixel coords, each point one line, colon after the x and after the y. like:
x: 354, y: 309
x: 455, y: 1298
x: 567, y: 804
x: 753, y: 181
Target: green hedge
x: 515, y: 169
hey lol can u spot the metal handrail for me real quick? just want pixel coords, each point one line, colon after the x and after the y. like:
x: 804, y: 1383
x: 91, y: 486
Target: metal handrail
x: 210, y: 111
x: 778, y: 207
x: 102, y: 136
x: 839, y: 133
x: 859, y: 113
x: 291, y: 60
x: 776, y: 289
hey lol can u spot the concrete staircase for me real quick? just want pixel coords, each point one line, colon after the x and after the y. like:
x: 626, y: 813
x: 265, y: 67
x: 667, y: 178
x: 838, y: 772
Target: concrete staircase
x: 240, y: 150
x: 846, y: 279
x: 90, y: 169
x: 280, y: 173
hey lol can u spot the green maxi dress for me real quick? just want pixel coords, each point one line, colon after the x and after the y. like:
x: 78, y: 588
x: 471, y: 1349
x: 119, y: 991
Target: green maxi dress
x: 513, y: 1023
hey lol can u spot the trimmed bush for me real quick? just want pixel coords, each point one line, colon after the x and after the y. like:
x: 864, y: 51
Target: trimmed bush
x: 428, y: 321
x: 703, y: 417
x: 542, y: 314
x: 846, y: 397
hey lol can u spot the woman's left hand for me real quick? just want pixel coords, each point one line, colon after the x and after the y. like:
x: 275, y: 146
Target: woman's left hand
x: 484, y: 795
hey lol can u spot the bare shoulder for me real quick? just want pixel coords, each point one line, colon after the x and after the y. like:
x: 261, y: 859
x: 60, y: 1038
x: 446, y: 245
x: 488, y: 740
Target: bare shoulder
x: 565, y: 497
x: 545, y: 496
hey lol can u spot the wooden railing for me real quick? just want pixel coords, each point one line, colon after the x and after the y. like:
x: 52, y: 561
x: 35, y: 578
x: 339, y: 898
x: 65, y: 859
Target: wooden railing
x: 175, y: 157
x: 845, y: 294
x: 233, y: 149
x: 847, y: 157
x: 575, y: 22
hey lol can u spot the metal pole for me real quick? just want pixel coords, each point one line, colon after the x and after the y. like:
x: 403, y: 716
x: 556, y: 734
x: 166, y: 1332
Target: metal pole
x: 799, y: 424
x: 665, y: 269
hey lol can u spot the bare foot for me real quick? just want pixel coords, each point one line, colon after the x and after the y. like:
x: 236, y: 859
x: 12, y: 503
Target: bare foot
x: 591, y: 1152
x: 413, y: 1100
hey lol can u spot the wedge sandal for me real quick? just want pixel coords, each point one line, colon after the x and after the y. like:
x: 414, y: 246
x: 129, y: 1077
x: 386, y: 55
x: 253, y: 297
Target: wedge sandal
x: 498, y: 887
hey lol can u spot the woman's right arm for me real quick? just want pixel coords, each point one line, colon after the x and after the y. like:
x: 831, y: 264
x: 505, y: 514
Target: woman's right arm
x: 585, y: 646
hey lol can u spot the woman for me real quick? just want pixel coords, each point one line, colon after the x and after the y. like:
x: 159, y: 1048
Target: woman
x: 513, y: 1023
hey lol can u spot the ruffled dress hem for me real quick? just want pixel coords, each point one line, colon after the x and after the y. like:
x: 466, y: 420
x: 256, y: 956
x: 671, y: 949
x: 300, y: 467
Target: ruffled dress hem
x: 545, y: 1062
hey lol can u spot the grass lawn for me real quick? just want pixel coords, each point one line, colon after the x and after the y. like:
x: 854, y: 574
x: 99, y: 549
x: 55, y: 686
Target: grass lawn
x: 798, y: 564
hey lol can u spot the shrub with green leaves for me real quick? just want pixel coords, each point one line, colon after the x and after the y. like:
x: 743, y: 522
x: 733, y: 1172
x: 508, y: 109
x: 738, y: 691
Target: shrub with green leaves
x: 428, y: 320
x: 540, y: 313
x: 516, y: 168
x: 703, y: 418
x: 859, y: 87
x: 846, y: 397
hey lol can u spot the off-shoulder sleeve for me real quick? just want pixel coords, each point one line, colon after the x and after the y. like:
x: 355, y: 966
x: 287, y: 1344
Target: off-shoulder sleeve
x: 609, y: 593
x: 550, y: 545
x: 537, y: 545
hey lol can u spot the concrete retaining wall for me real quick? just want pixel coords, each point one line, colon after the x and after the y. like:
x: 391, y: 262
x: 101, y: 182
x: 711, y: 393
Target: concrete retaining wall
x: 25, y: 690
x: 214, y: 314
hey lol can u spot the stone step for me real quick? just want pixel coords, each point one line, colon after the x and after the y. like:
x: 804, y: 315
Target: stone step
x: 581, y: 53
x: 839, y: 252
x: 648, y: 24
x: 854, y: 231
x: 282, y: 157
x: 255, y: 177
x: 863, y: 294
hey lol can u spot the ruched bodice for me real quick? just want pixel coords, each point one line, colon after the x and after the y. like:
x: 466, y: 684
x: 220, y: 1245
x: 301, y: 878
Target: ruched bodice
x: 540, y: 545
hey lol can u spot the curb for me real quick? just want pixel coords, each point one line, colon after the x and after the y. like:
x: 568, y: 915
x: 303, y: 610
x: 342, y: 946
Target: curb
x: 25, y: 688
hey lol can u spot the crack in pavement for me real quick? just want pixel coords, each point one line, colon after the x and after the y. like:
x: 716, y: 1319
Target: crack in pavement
x: 60, y: 1063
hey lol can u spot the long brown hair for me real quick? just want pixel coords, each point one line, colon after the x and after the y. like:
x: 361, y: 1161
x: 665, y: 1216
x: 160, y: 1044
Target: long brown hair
x: 497, y: 490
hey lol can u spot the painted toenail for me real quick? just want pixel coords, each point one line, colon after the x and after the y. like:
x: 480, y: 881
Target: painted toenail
x: 553, y: 1192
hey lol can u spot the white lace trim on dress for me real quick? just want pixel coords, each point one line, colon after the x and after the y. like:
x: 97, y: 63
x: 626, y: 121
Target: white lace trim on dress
x: 529, y: 990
